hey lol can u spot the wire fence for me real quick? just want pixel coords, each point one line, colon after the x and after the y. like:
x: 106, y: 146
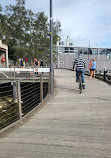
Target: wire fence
x: 19, y: 97
x: 30, y: 96
x: 8, y: 108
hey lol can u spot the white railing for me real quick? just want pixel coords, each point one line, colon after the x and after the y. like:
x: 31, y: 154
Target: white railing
x: 22, y: 72
x: 24, y: 69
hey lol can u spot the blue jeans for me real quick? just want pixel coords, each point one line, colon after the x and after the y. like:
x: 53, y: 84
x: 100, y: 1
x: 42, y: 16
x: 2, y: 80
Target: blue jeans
x: 82, y: 74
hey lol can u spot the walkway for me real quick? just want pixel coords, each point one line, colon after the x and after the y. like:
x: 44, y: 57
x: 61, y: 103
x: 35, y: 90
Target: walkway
x: 68, y: 125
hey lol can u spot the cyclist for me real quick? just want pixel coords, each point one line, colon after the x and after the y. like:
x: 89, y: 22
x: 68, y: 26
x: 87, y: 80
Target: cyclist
x: 80, y: 66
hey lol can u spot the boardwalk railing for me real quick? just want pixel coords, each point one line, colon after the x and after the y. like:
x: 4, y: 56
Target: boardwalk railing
x: 21, y: 72
x: 19, y: 96
x: 102, y: 75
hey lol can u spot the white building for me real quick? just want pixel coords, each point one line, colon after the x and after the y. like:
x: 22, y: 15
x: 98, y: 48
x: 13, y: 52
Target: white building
x: 66, y: 55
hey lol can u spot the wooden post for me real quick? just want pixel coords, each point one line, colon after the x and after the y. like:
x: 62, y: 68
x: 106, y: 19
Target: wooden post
x: 41, y: 88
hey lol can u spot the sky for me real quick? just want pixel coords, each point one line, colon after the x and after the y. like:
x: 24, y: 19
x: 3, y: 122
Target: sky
x: 86, y: 22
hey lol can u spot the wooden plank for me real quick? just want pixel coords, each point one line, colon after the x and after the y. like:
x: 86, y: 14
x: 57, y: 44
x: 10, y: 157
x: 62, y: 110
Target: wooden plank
x: 68, y: 125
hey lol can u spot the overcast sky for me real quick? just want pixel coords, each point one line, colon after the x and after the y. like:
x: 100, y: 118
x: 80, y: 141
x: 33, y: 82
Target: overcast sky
x: 81, y: 20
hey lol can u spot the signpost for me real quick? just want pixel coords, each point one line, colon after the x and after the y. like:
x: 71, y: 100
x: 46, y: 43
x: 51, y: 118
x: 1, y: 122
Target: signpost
x: 51, y: 49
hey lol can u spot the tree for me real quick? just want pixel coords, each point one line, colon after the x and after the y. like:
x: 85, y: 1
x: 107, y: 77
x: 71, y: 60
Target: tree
x: 18, y: 32
x: 40, y: 33
x: 26, y: 33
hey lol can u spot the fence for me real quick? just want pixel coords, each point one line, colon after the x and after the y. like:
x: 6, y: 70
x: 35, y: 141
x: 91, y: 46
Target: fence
x: 19, y: 72
x: 102, y: 75
x: 19, y: 96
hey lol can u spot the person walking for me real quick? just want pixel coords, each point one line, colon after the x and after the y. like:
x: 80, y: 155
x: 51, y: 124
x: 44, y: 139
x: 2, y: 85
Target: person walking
x: 93, y: 68
x: 90, y: 64
x: 80, y: 66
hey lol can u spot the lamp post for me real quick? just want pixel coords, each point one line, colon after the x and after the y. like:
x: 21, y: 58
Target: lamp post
x: 51, y: 50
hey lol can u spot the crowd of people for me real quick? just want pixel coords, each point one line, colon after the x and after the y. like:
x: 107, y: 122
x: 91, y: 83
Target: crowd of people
x: 37, y: 63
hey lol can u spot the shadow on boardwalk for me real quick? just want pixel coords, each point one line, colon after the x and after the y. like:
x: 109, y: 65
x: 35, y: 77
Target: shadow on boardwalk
x: 69, y: 125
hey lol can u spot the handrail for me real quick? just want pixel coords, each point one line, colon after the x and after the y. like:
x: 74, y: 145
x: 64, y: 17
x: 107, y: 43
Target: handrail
x: 24, y: 69
x: 19, y: 97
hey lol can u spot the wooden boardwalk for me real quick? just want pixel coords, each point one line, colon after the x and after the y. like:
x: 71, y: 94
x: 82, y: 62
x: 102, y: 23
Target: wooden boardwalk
x: 68, y: 125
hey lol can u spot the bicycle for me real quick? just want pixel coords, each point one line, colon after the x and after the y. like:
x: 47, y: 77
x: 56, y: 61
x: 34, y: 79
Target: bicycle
x: 80, y: 81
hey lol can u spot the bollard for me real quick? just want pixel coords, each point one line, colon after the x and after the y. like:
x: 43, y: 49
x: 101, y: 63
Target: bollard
x: 104, y: 78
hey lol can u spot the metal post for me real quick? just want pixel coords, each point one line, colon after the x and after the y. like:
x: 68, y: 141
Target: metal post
x: 33, y: 73
x: 15, y: 92
x: 88, y: 49
x: 51, y: 48
x: 19, y: 100
x: 49, y: 89
x: 97, y: 57
x: 14, y: 72
x: 58, y: 56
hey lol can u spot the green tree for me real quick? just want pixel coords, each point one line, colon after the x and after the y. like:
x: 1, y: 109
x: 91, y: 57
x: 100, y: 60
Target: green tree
x: 26, y: 33
x: 40, y: 35
x: 19, y: 25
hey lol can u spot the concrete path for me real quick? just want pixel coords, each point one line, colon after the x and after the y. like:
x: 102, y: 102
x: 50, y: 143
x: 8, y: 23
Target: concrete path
x: 68, y: 125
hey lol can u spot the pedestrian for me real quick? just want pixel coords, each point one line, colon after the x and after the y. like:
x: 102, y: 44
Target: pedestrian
x: 36, y: 64
x: 90, y: 66
x: 80, y: 66
x: 41, y: 63
x: 22, y: 63
x: 93, y: 68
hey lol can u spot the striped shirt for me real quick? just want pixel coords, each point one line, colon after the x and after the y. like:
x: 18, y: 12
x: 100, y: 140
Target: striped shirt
x: 80, y: 63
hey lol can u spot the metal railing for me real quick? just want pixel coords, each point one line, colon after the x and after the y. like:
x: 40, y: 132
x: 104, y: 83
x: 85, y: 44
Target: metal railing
x: 8, y: 108
x: 20, y: 96
x: 22, y: 72
x: 102, y: 75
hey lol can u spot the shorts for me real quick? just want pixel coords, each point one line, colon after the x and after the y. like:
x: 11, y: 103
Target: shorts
x: 92, y: 69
